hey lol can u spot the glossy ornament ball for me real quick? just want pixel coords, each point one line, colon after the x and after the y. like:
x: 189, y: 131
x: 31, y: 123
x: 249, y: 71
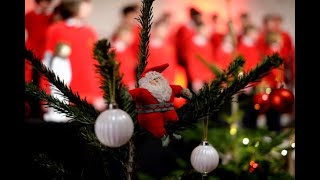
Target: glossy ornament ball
x: 281, y: 100
x: 114, y: 127
x: 261, y: 102
x: 204, y: 158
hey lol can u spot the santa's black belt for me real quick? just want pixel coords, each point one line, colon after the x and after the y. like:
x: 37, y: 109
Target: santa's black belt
x: 153, y: 110
x: 150, y: 108
x: 155, y: 106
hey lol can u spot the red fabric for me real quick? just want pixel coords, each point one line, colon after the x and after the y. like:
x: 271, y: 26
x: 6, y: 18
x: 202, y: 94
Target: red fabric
x: 216, y: 40
x: 188, y: 51
x: 27, y: 71
x: 251, y: 55
x: 154, y: 122
x: 36, y: 25
x: 81, y: 39
x: 286, y: 52
x: 223, y: 58
x: 164, y: 53
x: 136, y: 41
x: 128, y: 63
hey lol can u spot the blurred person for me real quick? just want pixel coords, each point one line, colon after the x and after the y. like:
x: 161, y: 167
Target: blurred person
x: 126, y: 56
x: 269, y: 42
x: 245, y: 21
x: 129, y: 13
x: 162, y: 50
x: 247, y: 47
x: 193, y: 39
x: 287, y: 50
x: 216, y: 36
x: 80, y: 38
x: 56, y: 14
x: 37, y: 22
x: 225, y: 51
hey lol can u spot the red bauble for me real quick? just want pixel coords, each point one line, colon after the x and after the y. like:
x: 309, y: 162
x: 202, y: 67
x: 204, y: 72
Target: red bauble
x: 281, y: 100
x: 261, y: 102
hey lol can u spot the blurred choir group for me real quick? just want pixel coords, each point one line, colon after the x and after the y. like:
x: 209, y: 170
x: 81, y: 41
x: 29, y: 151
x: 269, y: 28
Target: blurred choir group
x: 53, y: 22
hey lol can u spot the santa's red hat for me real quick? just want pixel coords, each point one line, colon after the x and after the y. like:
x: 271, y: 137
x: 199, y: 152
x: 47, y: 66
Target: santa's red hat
x: 158, y: 69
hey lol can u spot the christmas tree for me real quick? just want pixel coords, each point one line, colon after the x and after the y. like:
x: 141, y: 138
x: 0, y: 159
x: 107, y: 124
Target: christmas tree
x: 123, y: 152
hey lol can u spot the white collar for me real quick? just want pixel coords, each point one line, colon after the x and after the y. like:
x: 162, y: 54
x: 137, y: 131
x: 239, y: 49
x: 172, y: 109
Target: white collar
x: 73, y: 22
x: 247, y: 41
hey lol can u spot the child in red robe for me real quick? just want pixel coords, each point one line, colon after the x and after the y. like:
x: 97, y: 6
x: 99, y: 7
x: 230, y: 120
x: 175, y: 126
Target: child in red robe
x: 37, y: 22
x: 192, y: 40
x: 224, y: 53
x: 248, y: 49
x: 125, y: 56
x: 162, y: 50
x: 128, y: 21
x: 81, y: 38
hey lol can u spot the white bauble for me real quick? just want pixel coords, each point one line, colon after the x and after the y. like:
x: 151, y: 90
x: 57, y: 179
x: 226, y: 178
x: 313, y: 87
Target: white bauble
x: 204, y: 158
x: 114, y: 127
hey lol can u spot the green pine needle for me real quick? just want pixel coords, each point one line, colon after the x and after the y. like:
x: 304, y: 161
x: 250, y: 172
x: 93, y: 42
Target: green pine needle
x: 145, y: 20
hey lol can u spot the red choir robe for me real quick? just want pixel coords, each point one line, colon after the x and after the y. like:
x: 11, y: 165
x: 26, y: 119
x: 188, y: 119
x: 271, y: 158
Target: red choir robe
x: 136, y: 38
x: 81, y: 39
x: 250, y: 52
x: 223, y: 56
x: 164, y: 52
x: 128, y: 62
x: 216, y: 40
x: 189, y: 45
x: 36, y: 25
x: 160, y: 52
x: 285, y: 50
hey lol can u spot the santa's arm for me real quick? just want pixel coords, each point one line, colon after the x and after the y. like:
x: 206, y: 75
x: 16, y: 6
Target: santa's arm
x: 135, y: 93
x: 179, y: 91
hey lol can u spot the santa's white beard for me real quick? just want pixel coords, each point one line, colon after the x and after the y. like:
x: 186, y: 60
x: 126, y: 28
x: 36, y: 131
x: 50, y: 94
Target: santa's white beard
x: 161, y: 91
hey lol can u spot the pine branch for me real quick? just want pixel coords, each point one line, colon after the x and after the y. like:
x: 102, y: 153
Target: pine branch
x: 53, y: 168
x: 108, y: 67
x: 213, y: 68
x: 145, y: 20
x: 73, y: 112
x: 73, y: 97
x: 211, y: 97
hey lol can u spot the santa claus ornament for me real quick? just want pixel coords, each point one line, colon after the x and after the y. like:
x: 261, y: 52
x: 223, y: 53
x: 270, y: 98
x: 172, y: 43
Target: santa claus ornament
x: 154, y: 102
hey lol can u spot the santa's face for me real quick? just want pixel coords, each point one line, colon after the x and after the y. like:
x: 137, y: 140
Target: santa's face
x: 156, y: 81
x: 157, y: 85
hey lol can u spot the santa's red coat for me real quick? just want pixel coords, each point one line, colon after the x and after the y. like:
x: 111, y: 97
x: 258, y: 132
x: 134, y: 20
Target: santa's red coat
x: 154, y: 122
x: 84, y: 80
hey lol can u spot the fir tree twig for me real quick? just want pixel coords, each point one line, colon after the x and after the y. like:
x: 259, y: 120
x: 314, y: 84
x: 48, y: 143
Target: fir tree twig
x: 66, y: 91
x: 214, y: 96
x: 145, y: 19
x: 54, y: 168
x: 73, y: 112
